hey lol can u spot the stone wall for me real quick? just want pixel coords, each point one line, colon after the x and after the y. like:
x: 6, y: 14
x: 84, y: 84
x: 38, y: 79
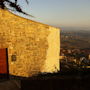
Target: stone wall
x: 32, y: 47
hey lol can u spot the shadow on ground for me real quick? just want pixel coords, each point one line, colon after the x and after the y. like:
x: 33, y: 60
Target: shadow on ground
x: 64, y: 80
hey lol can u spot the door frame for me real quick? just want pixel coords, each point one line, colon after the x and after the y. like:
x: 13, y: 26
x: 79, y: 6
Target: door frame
x: 7, y: 61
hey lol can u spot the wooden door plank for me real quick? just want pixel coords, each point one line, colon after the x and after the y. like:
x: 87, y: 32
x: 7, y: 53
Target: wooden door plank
x: 3, y: 61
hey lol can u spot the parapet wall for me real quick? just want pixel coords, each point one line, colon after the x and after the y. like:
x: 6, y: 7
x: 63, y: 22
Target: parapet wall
x: 32, y: 47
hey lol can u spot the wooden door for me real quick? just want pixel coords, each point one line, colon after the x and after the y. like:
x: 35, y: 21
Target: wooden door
x: 3, y: 61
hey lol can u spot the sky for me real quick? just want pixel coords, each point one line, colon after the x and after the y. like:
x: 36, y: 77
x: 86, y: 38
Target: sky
x: 66, y: 14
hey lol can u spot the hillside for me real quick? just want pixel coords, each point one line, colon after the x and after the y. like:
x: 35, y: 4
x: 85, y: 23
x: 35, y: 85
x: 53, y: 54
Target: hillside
x: 75, y: 39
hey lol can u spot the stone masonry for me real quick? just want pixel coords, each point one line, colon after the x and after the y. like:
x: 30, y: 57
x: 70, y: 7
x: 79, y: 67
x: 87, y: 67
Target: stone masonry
x: 32, y: 47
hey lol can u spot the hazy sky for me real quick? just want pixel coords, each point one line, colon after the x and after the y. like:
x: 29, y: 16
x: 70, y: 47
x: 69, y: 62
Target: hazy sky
x: 60, y: 13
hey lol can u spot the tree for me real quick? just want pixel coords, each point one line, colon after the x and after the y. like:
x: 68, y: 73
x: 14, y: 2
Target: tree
x: 3, y: 5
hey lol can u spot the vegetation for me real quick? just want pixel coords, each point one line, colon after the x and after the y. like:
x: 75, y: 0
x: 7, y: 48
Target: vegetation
x: 5, y: 4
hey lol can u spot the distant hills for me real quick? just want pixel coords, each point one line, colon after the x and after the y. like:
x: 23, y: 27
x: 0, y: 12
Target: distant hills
x: 79, y: 39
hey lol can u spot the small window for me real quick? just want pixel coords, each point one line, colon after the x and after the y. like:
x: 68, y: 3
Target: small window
x: 13, y: 57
